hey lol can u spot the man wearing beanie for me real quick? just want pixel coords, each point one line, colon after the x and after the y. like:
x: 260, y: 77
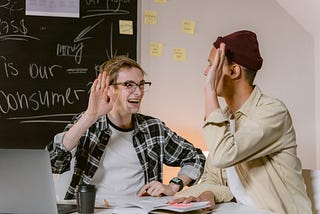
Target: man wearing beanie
x: 252, y: 144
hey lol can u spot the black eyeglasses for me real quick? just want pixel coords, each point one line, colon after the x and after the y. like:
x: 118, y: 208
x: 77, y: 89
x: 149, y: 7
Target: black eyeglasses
x: 132, y: 86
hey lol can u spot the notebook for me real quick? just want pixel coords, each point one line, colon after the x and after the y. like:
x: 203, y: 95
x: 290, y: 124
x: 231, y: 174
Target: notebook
x: 26, y: 182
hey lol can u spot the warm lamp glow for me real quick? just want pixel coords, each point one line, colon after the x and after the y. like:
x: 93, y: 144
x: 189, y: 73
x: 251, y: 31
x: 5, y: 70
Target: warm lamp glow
x: 195, y: 137
x: 170, y: 172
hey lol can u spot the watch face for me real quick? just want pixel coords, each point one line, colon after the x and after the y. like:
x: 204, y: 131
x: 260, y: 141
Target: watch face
x: 176, y: 180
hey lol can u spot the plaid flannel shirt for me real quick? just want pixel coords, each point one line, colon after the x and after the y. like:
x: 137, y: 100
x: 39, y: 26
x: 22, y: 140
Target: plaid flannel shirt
x: 153, y: 141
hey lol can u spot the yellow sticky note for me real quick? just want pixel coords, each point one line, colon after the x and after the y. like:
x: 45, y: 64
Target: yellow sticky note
x: 188, y: 26
x: 179, y: 54
x: 150, y: 17
x: 126, y: 27
x: 155, y: 49
x: 160, y: 1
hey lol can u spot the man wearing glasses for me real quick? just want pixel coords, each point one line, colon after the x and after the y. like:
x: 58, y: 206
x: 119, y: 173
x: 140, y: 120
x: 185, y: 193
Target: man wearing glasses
x: 118, y: 149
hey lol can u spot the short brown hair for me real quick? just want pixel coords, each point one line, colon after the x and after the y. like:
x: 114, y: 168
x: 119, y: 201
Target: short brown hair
x: 249, y: 74
x: 113, y: 66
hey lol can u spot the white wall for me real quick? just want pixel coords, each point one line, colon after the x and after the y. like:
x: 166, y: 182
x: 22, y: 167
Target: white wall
x: 317, y: 97
x: 177, y: 90
x: 307, y: 14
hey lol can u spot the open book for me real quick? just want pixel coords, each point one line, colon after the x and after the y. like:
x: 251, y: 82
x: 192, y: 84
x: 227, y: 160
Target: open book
x: 146, y: 205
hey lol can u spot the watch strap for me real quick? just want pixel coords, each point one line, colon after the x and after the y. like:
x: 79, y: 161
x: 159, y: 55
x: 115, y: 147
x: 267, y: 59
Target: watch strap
x: 177, y: 181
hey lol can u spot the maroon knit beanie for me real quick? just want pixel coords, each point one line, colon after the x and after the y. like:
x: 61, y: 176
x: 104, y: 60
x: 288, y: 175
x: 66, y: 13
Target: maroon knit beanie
x: 242, y: 47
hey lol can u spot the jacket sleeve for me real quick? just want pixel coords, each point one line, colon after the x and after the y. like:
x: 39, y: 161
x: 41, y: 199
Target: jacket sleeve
x: 258, y: 135
x: 214, y: 180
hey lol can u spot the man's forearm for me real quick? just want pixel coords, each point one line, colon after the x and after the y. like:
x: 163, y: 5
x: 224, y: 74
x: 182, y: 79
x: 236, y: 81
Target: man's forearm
x: 73, y: 135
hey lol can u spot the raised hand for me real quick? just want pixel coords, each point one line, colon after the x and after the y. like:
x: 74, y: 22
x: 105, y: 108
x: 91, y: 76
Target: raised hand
x: 102, y: 96
x: 214, y: 77
x: 215, y: 69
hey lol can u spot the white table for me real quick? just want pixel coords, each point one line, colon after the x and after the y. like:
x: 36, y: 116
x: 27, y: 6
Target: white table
x: 224, y: 208
x: 237, y: 209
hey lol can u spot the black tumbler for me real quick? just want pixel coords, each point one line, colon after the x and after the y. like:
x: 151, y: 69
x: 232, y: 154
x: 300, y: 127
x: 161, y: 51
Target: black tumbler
x: 86, y: 196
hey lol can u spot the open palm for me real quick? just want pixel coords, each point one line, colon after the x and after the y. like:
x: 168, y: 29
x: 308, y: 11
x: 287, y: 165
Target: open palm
x: 102, y: 96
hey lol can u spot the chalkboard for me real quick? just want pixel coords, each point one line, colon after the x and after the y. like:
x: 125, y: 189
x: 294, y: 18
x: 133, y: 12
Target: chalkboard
x: 47, y: 65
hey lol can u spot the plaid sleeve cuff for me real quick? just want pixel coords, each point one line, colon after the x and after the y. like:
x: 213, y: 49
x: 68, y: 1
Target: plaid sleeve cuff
x: 57, y: 141
x: 192, y: 172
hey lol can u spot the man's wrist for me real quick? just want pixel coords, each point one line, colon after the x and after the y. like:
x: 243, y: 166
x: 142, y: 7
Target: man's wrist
x: 176, y: 183
x: 174, y: 187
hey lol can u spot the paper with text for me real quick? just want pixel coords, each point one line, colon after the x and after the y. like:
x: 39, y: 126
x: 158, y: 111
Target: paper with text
x: 58, y: 8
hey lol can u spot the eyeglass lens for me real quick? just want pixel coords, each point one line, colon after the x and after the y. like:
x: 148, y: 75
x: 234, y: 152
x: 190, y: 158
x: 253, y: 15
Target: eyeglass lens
x: 132, y: 86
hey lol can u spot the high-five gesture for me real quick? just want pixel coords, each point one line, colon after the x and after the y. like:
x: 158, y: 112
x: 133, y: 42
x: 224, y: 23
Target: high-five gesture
x: 102, y: 96
x: 214, y: 71
x: 101, y: 100
x: 113, y: 143
x: 214, y: 76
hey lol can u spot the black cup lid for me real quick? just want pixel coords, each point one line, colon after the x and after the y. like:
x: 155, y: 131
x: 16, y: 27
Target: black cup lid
x: 85, y: 187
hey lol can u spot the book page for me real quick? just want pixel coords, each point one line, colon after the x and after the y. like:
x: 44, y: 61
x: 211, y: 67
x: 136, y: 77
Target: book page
x: 148, y: 204
x: 134, y: 204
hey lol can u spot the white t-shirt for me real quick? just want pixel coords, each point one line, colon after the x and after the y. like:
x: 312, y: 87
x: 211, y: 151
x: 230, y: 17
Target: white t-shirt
x: 235, y: 184
x: 120, y: 172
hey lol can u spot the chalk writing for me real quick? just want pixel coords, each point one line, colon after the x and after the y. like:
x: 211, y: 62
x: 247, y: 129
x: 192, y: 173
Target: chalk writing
x: 11, y: 6
x: 112, y: 8
x: 110, y: 53
x: 81, y: 35
x: 77, y: 70
x: 74, y: 50
x: 42, y: 72
x: 14, y: 30
x: 9, y: 67
x: 19, y: 100
x: 43, y: 118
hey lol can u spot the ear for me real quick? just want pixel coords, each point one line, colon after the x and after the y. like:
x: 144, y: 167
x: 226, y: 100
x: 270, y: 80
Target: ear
x: 235, y: 71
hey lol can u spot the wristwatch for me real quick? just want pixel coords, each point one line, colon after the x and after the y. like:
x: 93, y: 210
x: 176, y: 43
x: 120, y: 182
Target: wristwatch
x: 177, y: 181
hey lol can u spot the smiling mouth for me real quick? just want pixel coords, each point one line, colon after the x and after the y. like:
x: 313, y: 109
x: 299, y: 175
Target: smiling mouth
x: 134, y: 101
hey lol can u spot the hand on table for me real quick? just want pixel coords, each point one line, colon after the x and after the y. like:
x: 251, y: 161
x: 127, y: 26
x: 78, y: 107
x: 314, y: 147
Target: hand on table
x: 156, y: 188
x: 205, y: 196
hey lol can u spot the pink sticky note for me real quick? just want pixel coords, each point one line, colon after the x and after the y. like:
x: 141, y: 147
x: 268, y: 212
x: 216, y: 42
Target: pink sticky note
x: 181, y: 205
